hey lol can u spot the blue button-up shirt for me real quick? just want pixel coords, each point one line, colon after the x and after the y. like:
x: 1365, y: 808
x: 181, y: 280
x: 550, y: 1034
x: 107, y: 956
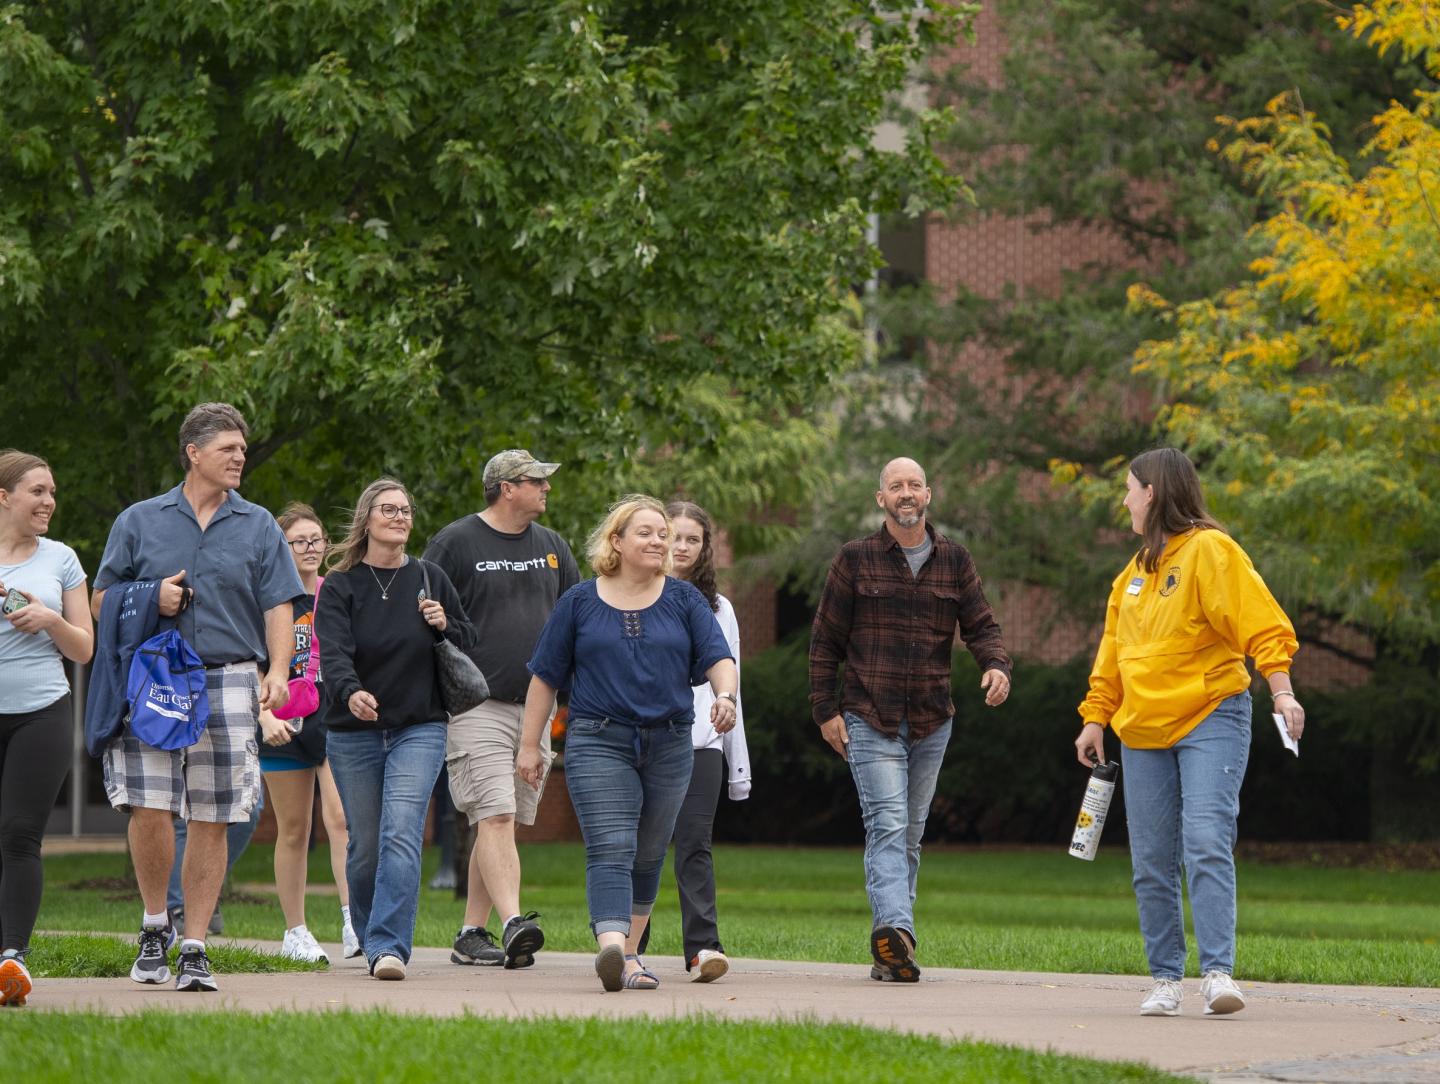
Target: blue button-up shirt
x: 239, y: 566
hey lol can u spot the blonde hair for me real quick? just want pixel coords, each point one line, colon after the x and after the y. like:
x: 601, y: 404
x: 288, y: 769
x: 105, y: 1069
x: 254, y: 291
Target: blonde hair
x: 351, y: 549
x: 604, y: 558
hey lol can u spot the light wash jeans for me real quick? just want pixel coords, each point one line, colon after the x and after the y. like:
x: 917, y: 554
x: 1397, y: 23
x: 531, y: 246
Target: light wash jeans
x: 896, y: 780
x: 385, y: 778
x: 1181, y: 805
x: 237, y: 838
x: 627, y: 784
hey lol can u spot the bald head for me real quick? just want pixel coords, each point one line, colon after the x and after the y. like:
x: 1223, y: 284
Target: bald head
x: 903, y: 493
x: 903, y: 465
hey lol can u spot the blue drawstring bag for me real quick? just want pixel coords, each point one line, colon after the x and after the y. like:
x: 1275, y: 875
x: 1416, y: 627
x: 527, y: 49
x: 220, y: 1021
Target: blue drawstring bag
x: 169, y: 706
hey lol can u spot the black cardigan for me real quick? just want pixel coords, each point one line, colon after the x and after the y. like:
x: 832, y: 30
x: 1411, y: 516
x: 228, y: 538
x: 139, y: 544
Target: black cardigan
x: 384, y: 646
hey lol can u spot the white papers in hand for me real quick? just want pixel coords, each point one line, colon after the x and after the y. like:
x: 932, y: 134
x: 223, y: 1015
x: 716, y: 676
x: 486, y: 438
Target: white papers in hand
x: 1290, y: 743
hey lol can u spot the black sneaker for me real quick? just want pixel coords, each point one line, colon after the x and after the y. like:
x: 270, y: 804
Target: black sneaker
x: 522, y: 939
x: 193, y: 972
x: 477, y: 946
x: 152, y: 962
x: 894, y: 958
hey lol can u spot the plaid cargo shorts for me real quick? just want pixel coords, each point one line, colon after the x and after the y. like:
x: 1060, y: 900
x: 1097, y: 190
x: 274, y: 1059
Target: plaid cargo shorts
x: 217, y: 779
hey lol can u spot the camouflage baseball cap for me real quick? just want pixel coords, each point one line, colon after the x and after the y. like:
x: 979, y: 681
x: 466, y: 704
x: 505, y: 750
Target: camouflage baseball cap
x: 510, y: 464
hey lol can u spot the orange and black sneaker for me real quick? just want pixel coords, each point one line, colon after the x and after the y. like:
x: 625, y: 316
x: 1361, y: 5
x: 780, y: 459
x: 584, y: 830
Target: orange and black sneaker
x: 894, y: 956
x: 15, y: 984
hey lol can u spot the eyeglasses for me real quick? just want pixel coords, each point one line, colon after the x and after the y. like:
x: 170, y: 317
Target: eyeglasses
x: 526, y: 478
x: 397, y: 511
x: 301, y: 545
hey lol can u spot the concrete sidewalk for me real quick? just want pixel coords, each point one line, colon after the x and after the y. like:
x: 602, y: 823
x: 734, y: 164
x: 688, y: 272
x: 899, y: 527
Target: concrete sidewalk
x: 1288, y: 1032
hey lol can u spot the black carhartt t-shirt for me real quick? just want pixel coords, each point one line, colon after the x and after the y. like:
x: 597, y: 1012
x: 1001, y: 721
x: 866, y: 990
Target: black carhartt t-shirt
x: 509, y: 584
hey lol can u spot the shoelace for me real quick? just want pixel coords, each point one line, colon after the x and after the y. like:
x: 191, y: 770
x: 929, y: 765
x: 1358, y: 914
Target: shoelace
x: 152, y: 944
x: 195, y: 961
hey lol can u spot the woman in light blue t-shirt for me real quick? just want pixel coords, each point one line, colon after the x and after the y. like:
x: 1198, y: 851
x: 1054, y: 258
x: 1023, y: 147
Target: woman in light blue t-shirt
x: 46, y: 619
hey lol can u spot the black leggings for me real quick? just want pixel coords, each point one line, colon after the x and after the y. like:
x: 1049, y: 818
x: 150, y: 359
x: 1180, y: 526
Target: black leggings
x: 34, y: 760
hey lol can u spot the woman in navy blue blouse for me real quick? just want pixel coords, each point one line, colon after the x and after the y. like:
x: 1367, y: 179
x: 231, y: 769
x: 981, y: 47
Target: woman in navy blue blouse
x: 629, y: 645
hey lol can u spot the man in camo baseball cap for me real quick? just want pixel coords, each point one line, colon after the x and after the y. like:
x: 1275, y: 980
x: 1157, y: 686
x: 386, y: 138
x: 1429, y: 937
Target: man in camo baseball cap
x: 514, y: 463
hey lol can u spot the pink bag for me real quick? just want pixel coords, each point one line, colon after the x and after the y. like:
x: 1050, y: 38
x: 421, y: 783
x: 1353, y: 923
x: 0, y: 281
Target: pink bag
x: 304, y: 699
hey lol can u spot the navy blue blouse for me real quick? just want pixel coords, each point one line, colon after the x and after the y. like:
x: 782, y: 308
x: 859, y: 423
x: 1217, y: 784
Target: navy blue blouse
x: 633, y: 666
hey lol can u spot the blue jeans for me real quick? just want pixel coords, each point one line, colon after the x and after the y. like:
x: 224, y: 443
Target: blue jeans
x: 1181, y: 805
x: 237, y: 838
x: 385, y: 778
x: 896, y: 781
x: 627, y: 784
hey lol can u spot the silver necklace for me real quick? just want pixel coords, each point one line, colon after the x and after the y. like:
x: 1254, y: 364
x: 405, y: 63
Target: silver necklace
x: 385, y: 587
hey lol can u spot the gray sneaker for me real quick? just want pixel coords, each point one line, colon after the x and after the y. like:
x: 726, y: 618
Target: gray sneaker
x: 522, y: 939
x: 193, y: 972
x: 477, y: 946
x: 152, y: 962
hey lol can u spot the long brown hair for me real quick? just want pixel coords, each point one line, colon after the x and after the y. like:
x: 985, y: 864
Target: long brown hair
x: 350, y: 551
x: 298, y: 512
x: 702, y: 572
x: 1177, y: 503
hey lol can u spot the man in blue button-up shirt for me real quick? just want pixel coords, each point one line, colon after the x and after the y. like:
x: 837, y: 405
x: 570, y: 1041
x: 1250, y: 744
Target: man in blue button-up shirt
x: 228, y: 585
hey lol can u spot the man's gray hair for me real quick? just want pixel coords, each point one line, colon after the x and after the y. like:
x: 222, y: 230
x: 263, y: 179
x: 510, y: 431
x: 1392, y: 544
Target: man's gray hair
x: 204, y: 423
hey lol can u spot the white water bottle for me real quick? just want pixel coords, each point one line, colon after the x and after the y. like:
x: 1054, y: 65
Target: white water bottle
x: 1101, y: 788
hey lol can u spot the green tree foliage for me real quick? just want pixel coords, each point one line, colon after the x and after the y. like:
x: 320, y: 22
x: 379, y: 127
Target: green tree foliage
x: 403, y: 235
x: 1101, y: 120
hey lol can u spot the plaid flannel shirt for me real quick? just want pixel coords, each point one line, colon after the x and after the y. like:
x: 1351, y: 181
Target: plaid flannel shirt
x: 895, y: 633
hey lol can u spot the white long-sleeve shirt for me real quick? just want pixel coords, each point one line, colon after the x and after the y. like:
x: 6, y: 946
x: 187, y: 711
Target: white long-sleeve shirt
x: 703, y: 735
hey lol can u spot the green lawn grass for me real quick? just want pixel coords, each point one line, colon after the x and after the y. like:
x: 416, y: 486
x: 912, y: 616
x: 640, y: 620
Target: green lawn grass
x: 1004, y: 910
x: 347, y: 1046
x: 99, y: 956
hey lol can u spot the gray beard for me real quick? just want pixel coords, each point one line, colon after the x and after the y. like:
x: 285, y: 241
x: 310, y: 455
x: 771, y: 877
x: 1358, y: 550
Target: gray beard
x: 908, y: 519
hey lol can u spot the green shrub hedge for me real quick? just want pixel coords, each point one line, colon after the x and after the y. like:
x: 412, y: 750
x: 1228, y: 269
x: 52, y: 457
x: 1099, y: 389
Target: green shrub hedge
x: 1011, y: 775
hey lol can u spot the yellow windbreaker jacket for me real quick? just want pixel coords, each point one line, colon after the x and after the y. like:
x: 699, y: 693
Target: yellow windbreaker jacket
x: 1175, y: 641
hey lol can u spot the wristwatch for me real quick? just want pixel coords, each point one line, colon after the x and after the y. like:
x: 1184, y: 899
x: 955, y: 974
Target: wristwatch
x: 730, y: 697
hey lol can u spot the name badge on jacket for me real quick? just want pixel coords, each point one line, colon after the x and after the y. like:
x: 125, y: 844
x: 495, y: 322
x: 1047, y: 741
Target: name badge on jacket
x: 1135, y: 585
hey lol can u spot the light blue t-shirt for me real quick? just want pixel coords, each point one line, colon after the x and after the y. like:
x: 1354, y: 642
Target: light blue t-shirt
x: 32, y: 670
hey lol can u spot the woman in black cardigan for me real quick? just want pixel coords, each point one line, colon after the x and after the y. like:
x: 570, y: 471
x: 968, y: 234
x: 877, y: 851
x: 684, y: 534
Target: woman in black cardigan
x: 385, y: 718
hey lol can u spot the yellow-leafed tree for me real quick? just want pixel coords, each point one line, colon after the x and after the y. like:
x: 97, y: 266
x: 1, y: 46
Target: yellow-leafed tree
x: 1310, y: 395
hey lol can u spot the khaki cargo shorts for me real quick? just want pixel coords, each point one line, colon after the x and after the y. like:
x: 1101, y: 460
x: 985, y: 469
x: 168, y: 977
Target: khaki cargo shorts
x: 480, y: 748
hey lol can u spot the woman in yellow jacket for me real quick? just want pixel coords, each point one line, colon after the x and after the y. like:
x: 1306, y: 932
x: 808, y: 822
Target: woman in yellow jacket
x: 1170, y: 680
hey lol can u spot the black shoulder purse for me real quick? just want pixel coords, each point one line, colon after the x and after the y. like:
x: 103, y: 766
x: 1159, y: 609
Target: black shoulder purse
x: 462, y: 685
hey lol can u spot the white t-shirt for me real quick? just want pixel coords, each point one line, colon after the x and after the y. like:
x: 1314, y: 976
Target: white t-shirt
x: 703, y: 735
x: 32, y: 670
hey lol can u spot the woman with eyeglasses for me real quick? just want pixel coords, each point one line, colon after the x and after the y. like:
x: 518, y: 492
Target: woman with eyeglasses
x: 292, y: 756
x: 386, y: 720
x: 46, y: 620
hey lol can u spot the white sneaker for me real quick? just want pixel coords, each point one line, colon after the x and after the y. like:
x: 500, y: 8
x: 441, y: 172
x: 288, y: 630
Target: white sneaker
x: 1221, y: 994
x: 389, y: 967
x: 349, y: 942
x: 1164, y: 999
x: 708, y: 965
x: 300, y: 944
